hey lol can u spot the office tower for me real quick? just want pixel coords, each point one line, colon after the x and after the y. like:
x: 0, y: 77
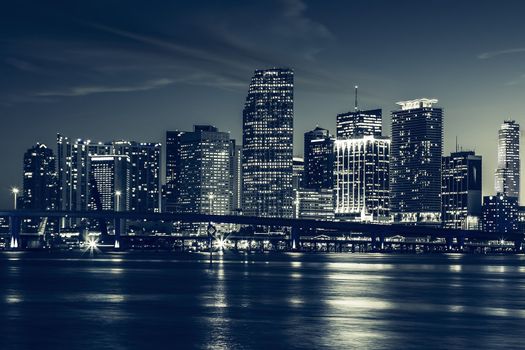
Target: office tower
x: 500, y: 214
x: 172, y: 169
x: 144, y: 181
x: 507, y: 179
x: 318, y: 159
x: 415, y: 166
x: 235, y: 178
x: 362, y: 178
x: 268, y: 144
x: 359, y: 123
x: 315, y: 204
x: 40, y: 183
x: 297, y: 173
x: 73, y: 172
x: 110, y: 181
x: 461, y: 190
x: 204, y: 176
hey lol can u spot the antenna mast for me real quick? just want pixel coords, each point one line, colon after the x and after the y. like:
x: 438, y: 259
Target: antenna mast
x: 355, y: 106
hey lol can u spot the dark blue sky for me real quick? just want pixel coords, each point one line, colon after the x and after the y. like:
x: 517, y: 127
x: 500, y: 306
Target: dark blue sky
x: 107, y: 69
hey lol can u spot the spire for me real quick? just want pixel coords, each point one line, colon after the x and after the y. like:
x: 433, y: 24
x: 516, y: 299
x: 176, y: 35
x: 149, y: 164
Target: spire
x: 355, y: 107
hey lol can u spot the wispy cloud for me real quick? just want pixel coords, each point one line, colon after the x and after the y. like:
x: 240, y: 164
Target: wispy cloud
x: 89, y: 90
x: 491, y: 54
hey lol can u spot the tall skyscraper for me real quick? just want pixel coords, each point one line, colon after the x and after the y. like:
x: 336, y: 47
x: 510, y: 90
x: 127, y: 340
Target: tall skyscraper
x: 500, y: 214
x: 110, y: 181
x: 318, y: 159
x: 361, y: 171
x: 40, y: 183
x: 268, y: 144
x: 172, y: 185
x: 415, y: 167
x: 144, y: 169
x: 204, y: 171
x: 507, y: 181
x: 461, y: 191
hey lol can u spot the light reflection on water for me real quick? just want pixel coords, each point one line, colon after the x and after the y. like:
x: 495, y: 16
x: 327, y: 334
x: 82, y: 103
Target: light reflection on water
x: 371, y: 301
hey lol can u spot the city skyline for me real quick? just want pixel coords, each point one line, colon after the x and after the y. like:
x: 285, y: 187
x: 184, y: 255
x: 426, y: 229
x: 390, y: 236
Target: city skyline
x: 148, y: 85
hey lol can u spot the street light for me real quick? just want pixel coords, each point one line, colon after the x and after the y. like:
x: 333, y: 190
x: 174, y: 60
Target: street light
x: 117, y: 195
x: 211, y: 197
x: 15, y: 192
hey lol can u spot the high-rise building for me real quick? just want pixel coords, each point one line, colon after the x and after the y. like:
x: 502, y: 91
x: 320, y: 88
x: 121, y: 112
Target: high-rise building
x: 415, y: 166
x: 362, y: 178
x: 461, y: 191
x: 318, y: 159
x: 235, y: 177
x: 359, y: 123
x: 144, y: 181
x: 507, y: 179
x: 500, y: 214
x: 315, y: 204
x: 110, y: 181
x: 40, y: 183
x: 268, y: 144
x: 204, y: 176
x: 172, y: 185
x: 297, y: 173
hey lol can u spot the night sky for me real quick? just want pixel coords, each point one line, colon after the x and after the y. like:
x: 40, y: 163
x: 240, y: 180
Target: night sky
x: 105, y: 70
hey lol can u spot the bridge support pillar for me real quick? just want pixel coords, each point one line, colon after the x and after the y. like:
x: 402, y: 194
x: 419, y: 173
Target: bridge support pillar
x: 14, y: 229
x: 118, y: 231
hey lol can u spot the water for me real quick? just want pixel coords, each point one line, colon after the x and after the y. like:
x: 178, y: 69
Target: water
x: 265, y: 301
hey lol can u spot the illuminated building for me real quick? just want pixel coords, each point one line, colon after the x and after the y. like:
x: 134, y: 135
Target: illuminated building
x: 316, y: 204
x: 298, y: 173
x: 172, y: 170
x: 318, y: 159
x: 110, y: 181
x: 144, y: 181
x: 204, y: 176
x: 359, y: 123
x: 461, y: 190
x: 415, y: 166
x: 235, y: 178
x: 500, y: 214
x: 40, y: 183
x: 268, y: 144
x: 507, y: 177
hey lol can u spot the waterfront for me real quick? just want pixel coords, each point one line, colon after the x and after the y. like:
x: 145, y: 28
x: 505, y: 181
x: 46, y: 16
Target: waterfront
x: 139, y: 300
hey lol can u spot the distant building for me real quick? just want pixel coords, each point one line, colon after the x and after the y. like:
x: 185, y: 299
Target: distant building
x: 298, y: 173
x: 415, y: 166
x: 235, y: 178
x: 204, y: 176
x: 144, y: 181
x: 315, y: 204
x: 40, y: 190
x: 359, y: 123
x: 171, y: 188
x: 461, y: 191
x: 268, y: 144
x: 318, y: 159
x: 507, y: 177
x: 110, y: 180
x: 500, y: 214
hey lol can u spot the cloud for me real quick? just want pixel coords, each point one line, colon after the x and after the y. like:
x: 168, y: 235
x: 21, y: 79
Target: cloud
x: 89, y: 90
x: 22, y: 65
x: 492, y: 54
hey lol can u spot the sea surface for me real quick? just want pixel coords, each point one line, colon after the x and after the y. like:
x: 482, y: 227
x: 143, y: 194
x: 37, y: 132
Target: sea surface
x: 150, y: 300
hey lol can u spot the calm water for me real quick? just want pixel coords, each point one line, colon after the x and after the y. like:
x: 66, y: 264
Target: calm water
x: 316, y: 301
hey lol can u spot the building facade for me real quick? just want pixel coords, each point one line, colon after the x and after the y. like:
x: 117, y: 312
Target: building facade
x: 359, y: 123
x: 318, y: 159
x: 315, y: 204
x: 268, y: 144
x: 172, y: 170
x: 235, y: 178
x: 500, y: 214
x: 507, y: 177
x: 110, y: 182
x: 415, y: 167
x: 461, y: 190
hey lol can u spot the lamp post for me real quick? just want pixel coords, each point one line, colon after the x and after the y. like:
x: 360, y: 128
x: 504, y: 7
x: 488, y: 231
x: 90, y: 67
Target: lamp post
x: 117, y: 197
x: 211, y: 196
x: 117, y: 220
x: 15, y: 192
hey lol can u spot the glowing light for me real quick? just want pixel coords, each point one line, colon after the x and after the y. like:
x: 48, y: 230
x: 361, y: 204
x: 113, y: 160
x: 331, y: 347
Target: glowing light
x: 15, y: 190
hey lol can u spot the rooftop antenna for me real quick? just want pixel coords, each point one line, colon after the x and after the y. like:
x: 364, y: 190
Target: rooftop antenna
x: 355, y: 107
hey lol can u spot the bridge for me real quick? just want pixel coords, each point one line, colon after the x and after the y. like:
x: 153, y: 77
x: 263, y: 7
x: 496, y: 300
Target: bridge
x: 377, y: 234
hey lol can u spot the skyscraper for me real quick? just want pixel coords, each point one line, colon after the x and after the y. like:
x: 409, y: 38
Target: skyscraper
x: 110, y: 181
x: 172, y: 169
x: 361, y: 171
x: 144, y: 170
x: 268, y: 144
x: 500, y: 214
x: 507, y: 181
x: 235, y: 177
x: 415, y: 167
x: 40, y: 183
x: 204, y: 171
x: 461, y: 191
x: 318, y: 159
